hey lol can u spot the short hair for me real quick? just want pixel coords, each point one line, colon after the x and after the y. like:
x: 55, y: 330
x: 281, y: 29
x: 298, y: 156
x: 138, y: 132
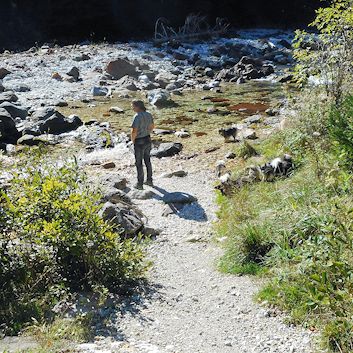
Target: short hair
x: 139, y: 104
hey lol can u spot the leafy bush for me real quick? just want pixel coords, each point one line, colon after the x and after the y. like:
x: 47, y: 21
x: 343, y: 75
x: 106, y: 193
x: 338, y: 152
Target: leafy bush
x: 329, y: 54
x: 52, y: 240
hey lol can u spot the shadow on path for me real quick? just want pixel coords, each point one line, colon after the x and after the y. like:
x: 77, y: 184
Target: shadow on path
x: 182, y: 204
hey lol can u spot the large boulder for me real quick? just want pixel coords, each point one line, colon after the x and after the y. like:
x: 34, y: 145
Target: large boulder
x: 3, y: 72
x: 178, y: 197
x: 167, y: 149
x: 160, y: 98
x: 8, y: 130
x: 95, y: 136
x: 74, y: 73
x: 58, y: 124
x: 31, y: 140
x: 124, y: 217
x: 14, y: 110
x: 113, y: 181
x: 248, y: 68
x: 120, y: 68
x: 164, y: 78
x: 8, y: 96
x: 127, y: 83
x: 42, y: 114
x: 100, y: 91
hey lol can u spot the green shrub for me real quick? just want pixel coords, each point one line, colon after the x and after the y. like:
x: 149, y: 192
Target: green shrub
x: 327, y: 54
x: 316, y: 285
x: 52, y: 240
x: 341, y: 130
x: 248, y: 250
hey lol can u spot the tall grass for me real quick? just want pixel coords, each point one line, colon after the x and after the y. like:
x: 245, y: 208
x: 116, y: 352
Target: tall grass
x: 298, y: 232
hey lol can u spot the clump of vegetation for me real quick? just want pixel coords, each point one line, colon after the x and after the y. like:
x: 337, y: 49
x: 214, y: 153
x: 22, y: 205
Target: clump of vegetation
x: 341, y: 130
x: 53, y: 241
x: 246, y: 150
x: 298, y: 232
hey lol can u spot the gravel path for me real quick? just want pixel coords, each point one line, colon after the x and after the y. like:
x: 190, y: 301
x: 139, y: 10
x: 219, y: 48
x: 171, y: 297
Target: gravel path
x: 191, y: 307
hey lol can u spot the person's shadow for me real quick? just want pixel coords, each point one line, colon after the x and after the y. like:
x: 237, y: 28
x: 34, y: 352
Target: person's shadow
x: 181, y: 204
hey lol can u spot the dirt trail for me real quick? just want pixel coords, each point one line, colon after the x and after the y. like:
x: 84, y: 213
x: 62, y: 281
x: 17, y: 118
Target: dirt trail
x: 191, y: 307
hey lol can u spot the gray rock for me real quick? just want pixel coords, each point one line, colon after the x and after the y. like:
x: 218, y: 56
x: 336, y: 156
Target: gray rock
x: 159, y: 98
x: 82, y: 57
x: 254, y: 119
x: 58, y: 124
x: 95, y: 136
x: 167, y: 149
x: 180, y: 56
x: 114, y: 195
x: 177, y: 173
x: 230, y: 155
x: 61, y: 104
x: 248, y: 134
x: 209, y: 72
x: 271, y: 112
x: 20, y: 88
x: 42, y: 114
x: 8, y: 130
x: 14, y: 110
x: 113, y: 181
x: 101, y: 91
x: 120, y: 68
x: 141, y: 194
x: 4, y: 72
x: 74, y: 73
x: 2, y: 88
x: 31, y: 140
x: 171, y: 87
x: 127, y: 83
x: 8, y: 96
x: 164, y: 78
x: 123, y: 217
x: 178, y: 198
x: 272, y: 120
x: 116, y: 110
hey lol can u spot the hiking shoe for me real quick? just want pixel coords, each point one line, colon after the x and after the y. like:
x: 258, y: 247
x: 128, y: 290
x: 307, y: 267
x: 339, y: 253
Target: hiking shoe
x: 138, y: 186
x: 149, y: 183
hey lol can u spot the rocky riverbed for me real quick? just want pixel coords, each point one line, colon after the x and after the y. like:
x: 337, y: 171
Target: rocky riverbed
x: 76, y: 101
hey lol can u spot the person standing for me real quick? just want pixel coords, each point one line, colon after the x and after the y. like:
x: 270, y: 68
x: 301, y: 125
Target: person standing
x: 142, y: 126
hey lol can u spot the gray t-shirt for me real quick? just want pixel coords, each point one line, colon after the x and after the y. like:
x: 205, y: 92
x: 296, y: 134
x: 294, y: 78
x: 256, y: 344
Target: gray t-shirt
x: 142, y: 121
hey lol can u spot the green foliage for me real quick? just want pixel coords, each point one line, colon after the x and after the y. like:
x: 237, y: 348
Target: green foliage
x: 60, y: 335
x: 341, y: 129
x: 248, y: 250
x: 52, y: 240
x: 329, y: 54
x: 245, y: 150
x: 316, y: 285
x: 299, y: 231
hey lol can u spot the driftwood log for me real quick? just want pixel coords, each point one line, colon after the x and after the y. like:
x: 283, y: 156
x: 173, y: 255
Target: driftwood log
x: 195, y: 27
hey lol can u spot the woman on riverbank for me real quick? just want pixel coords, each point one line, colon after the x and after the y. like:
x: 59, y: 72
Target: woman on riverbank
x: 142, y: 127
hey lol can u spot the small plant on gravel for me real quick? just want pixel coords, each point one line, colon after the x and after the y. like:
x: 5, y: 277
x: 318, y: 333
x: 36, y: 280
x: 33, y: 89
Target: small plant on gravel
x: 246, y: 150
x: 53, y: 241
